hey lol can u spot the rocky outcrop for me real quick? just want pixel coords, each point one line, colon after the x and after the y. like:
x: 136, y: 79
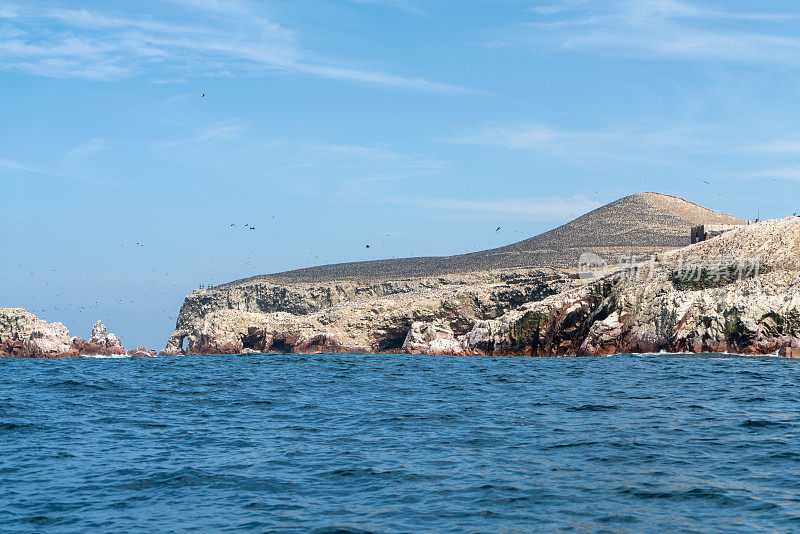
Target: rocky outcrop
x: 141, y: 352
x: 348, y: 316
x: 739, y: 292
x: 23, y: 335
x: 749, y: 316
x: 100, y: 342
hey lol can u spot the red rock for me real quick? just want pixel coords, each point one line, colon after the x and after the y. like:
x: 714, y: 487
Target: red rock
x: 789, y: 352
x: 141, y: 352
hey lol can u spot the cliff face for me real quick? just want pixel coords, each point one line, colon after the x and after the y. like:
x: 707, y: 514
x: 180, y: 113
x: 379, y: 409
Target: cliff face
x: 739, y: 292
x: 369, y: 317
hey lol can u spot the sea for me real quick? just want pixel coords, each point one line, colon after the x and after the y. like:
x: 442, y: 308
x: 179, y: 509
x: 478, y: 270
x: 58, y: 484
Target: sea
x: 353, y: 443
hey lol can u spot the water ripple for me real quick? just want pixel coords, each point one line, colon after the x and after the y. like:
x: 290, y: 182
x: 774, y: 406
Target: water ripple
x: 378, y: 443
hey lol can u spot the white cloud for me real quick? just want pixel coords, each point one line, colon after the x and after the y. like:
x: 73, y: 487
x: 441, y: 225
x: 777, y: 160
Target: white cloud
x: 664, y: 29
x: 213, y: 38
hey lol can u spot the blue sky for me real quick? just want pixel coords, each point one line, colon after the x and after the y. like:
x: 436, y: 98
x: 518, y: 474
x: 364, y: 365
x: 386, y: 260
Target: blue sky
x: 414, y: 126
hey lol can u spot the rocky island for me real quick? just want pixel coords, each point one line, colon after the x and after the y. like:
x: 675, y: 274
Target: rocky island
x: 648, y: 290
x: 734, y: 293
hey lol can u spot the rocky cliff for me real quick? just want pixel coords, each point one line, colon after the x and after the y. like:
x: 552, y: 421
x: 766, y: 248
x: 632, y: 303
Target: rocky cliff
x: 349, y: 316
x: 739, y: 292
x: 23, y: 335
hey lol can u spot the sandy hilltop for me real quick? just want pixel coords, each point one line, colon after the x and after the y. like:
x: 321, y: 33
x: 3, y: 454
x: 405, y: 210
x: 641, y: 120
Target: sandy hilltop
x: 649, y: 291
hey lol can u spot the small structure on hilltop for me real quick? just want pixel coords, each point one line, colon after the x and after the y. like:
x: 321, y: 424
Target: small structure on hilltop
x: 701, y: 232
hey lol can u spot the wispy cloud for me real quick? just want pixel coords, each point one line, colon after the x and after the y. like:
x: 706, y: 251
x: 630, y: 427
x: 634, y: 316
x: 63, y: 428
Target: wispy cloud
x: 790, y: 172
x: 664, y: 29
x: 17, y: 166
x: 55, y: 172
x: 371, y: 166
x: 8, y: 12
x: 535, y: 209
x: 211, y: 38
x: 613, y: 142
x: 405, y: 5
x: 779, y: 146
x: 216, y: 133
x: 90, y: 146
x: 325, y: 170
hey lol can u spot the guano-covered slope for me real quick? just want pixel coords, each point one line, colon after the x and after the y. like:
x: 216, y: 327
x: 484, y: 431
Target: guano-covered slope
x: 643, y: 223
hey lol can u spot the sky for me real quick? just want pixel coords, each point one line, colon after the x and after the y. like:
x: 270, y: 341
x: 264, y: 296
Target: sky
x: 415, y: 126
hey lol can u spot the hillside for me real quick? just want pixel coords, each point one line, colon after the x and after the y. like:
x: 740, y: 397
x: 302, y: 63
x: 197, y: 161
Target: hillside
x: 637, y: 224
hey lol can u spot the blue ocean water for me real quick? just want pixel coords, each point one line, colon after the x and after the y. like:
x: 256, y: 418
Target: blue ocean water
x: 397, y: 443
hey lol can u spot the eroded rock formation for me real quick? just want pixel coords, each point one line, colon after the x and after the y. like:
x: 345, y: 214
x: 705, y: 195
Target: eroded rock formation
x: 23, y: 335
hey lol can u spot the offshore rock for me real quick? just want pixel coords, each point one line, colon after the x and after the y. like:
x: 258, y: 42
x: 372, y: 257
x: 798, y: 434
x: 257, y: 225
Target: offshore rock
x: 100, y: 342
x: 98, y: 335
x: 141, y: 352
x: 23, y: 335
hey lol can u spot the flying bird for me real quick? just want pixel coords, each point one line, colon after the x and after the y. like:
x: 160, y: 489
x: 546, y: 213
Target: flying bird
x: 367, y: 246
x: 498, y: 229
x: 203, y: 95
